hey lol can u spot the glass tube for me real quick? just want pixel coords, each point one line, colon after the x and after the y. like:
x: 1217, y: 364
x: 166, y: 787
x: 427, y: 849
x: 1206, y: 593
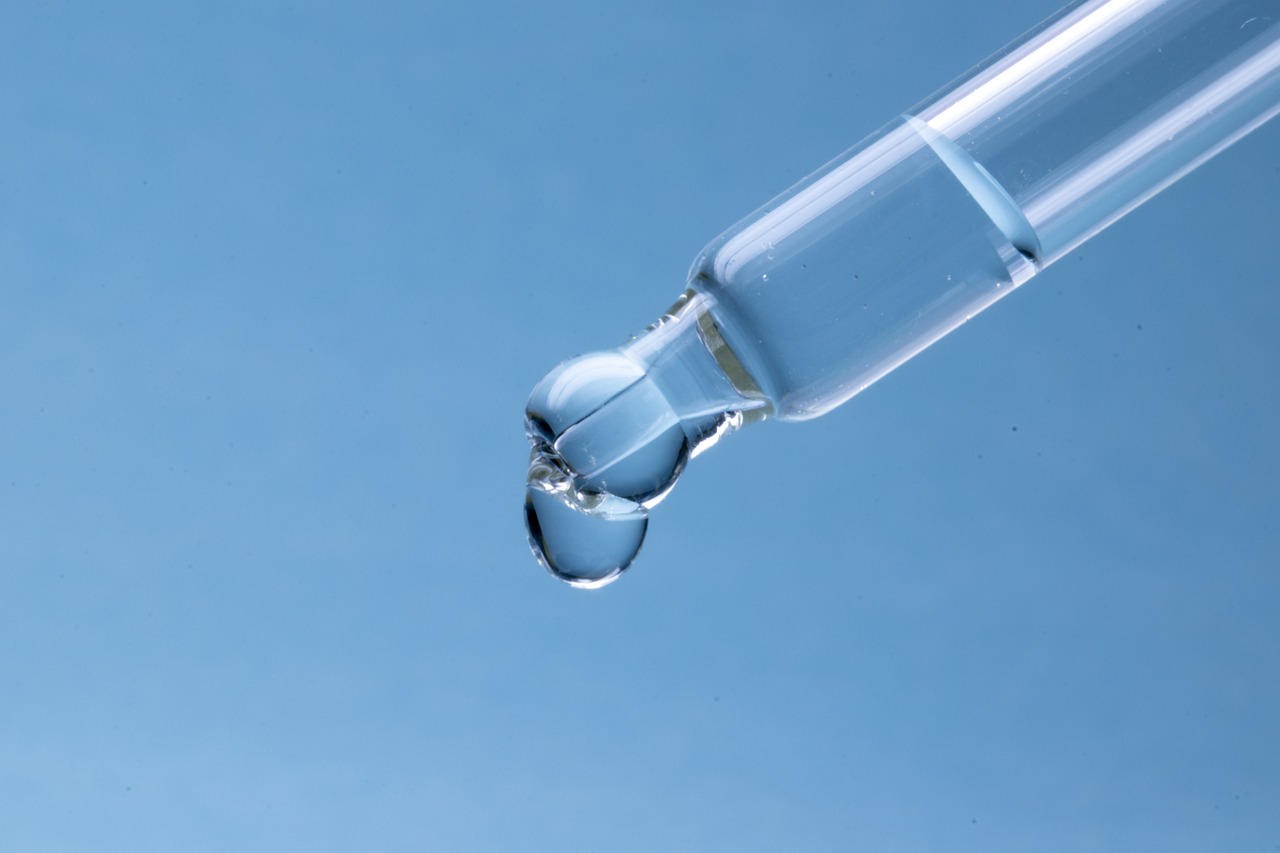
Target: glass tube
x: 889, y: 247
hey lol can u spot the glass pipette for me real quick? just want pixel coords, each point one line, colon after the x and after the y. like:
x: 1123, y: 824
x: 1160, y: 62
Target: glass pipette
x: 889, y: 247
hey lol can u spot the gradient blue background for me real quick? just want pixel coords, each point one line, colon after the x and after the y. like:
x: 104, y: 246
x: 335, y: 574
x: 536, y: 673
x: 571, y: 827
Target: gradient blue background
x: 276, y: 281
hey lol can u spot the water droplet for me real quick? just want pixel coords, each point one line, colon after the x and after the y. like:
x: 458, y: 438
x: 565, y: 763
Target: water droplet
x: 585, y: 540
x: 606, y: 446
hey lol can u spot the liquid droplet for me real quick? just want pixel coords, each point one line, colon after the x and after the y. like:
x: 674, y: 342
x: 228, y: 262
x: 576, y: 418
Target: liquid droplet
x: 585, y: 539
x: 606, y: 445
x: 612, y: 432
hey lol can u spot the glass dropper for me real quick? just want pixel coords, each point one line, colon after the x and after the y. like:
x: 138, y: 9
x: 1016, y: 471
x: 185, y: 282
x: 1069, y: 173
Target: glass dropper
x: 891, y: 246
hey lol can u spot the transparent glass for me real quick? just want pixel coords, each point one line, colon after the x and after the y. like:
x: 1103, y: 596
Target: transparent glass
x: 889, y: 247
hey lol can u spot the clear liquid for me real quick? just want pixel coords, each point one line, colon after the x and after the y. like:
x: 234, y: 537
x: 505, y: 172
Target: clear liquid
x: 790, y: 313
x: 585, y: 539
x: 862, y: 266
x: 612, y: 432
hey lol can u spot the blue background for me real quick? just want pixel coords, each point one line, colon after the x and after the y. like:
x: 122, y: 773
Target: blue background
x: 276, y: 281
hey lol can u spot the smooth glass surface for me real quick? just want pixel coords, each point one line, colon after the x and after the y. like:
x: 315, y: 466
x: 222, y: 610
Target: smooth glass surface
x: 1104, y: 107
x: 829, y: 289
